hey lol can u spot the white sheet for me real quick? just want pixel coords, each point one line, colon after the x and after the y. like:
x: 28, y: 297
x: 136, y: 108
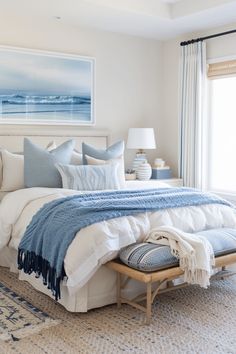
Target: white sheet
x: 98, y: 243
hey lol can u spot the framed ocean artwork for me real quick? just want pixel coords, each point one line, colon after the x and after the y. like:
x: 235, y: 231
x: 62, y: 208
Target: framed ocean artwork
x: 38, y: 87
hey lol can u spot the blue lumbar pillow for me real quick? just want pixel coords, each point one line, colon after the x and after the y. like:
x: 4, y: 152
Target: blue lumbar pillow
x: 112, y: 152
x: 39, y: 165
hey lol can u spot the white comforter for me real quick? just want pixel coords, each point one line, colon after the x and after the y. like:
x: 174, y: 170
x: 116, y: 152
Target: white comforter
x: 98, y: 243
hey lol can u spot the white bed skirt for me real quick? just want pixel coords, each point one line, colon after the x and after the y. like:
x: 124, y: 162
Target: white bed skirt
x: 99, y: 291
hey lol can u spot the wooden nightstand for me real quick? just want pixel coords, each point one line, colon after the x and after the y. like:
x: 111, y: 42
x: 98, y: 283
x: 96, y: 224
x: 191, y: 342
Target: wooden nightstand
x: 152, y: 183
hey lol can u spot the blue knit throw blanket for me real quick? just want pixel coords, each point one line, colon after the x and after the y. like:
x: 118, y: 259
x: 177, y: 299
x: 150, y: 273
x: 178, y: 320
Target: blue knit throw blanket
x: 43, y: 247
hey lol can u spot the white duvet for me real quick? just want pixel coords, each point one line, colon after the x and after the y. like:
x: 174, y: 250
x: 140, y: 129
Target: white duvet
x: 99, y: 243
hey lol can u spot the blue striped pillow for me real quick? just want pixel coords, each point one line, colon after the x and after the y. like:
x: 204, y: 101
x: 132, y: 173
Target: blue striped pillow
x: 148, y: 257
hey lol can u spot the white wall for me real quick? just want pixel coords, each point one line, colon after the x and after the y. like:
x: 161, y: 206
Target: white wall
x: 216, y: 48
x: 128, y: 70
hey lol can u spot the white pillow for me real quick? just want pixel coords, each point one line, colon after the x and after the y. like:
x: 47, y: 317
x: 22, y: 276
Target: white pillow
x: 0, y: 169
x: 89, y: 178
x: 12, y: 169
x: 76, y: 158
x: 51, y: 146
x: 119, y: 160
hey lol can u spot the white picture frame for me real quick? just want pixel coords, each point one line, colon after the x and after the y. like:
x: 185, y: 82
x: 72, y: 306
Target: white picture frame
x: 39, y: 87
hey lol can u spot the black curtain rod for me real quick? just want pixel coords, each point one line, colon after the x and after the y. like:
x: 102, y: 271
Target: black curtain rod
x: 191, y: 41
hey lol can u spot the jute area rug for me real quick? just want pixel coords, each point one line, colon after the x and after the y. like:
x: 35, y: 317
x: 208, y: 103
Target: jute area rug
x: 190, y: 320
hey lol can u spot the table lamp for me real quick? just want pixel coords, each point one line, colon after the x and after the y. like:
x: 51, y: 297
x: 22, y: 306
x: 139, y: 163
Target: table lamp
x: 141, y: 139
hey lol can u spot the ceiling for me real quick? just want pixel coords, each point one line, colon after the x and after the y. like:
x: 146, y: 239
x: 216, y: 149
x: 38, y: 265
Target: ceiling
x: 160, y: 19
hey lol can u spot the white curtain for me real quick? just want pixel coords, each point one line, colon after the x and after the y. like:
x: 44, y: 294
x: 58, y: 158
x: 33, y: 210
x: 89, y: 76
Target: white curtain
x: 192, y: 112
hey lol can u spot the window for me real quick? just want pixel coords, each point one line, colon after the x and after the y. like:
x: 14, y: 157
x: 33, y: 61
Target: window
x: 222, y: 133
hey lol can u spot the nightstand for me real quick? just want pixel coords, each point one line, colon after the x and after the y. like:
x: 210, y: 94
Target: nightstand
x: 173, y: 182
x: 153, y: 183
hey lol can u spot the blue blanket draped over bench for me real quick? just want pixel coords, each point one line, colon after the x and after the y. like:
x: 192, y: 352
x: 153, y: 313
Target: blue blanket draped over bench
x: 43, y: 247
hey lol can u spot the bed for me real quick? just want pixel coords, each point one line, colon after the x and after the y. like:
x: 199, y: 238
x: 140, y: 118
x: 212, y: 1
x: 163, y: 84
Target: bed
x: 90, y: 284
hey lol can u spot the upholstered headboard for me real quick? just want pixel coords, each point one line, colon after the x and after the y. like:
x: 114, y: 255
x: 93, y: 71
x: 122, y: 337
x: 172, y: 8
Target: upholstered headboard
x: 12, y: 136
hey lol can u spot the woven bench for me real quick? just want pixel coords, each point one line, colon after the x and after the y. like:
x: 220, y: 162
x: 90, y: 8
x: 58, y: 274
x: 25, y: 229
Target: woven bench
x: 160, y: 277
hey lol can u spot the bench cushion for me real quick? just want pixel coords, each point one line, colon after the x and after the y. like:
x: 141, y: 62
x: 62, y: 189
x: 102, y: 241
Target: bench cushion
x: 149, y: 257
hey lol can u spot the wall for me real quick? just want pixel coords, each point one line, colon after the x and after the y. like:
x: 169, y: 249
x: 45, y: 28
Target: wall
x: 216, y: 48
x: 128, y: 70
x: 136, y: 79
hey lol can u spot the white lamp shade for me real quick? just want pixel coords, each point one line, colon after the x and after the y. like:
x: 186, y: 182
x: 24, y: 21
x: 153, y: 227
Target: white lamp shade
x: 141, y: 138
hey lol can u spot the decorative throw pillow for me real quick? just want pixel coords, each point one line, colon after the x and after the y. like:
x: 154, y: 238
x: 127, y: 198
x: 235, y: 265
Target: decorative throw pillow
x: 148, y: 257
x: 1, y: 168
x: 94, y: 156
x: 119, y: 160
x: 51, y: 145
x: 76, y: 158
x: 12, y: 169
x: 89, y: 178
x: 39, y: 168
x: 112, y: 152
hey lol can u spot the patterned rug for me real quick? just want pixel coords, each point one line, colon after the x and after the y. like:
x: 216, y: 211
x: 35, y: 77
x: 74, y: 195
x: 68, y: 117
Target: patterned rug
x: 190, y: 320
x: 18, y: 318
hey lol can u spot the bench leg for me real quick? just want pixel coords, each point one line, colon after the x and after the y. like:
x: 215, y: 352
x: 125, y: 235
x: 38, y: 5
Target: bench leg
x: 118, y: 290
x: 223, y: 269
x: 149, y: 303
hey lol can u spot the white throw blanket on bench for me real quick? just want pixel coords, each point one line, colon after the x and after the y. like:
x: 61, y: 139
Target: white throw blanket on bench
x: 195, y: 253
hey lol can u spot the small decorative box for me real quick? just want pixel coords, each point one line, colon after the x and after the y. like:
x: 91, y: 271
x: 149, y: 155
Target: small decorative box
x: 130, y: 176
x: 161, y: 173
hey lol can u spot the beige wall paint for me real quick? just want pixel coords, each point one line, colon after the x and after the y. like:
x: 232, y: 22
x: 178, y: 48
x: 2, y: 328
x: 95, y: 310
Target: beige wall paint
x: 216, y: 48
x: 128, y: 70
x: 136, y: 79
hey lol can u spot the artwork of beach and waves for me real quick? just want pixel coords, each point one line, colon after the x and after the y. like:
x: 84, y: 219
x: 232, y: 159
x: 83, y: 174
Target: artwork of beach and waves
x: 45, y: 87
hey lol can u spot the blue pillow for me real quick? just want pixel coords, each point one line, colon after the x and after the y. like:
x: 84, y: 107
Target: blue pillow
x: 112, y: 152
x: 89, y: 178
x: 39, y: 166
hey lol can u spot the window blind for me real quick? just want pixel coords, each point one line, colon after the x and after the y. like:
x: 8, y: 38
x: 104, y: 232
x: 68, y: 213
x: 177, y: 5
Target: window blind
x: 224, y: 68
